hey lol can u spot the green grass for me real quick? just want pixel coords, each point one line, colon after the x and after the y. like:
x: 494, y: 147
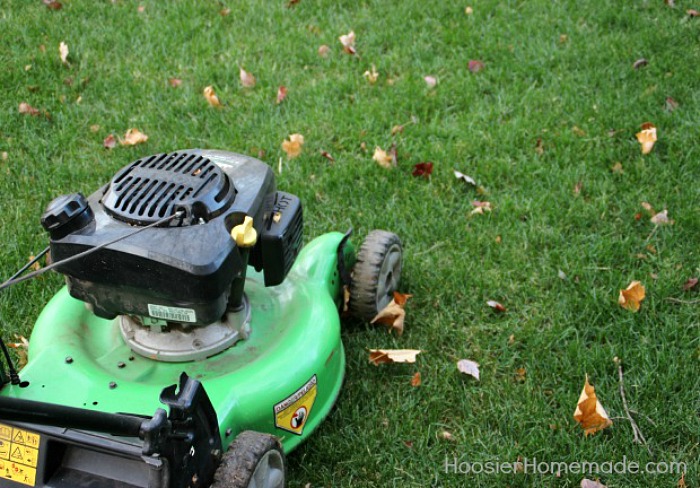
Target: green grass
x: 484, y: 124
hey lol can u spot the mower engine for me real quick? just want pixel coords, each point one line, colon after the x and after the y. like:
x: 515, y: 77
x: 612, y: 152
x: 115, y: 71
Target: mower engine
x: 177, y: 284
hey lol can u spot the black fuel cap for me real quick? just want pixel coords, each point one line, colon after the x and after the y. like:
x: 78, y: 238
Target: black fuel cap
x: 66, y: 214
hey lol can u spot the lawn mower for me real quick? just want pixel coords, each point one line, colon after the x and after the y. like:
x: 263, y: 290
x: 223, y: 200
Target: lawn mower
x: 195, y: 342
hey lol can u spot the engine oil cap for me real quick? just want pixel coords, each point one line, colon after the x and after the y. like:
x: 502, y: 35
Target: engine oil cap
x: 66, y: 214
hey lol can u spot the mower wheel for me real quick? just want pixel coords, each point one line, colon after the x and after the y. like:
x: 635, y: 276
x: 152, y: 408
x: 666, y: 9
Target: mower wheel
x: 253, y: 460
x: 376, y: 274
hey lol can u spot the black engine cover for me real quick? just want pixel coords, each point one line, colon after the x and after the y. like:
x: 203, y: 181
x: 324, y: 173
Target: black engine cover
x: 181, y: 271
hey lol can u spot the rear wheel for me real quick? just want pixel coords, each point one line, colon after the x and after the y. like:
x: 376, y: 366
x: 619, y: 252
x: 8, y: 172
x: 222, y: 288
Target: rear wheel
x: 253, y: 460
x: 376, y: 274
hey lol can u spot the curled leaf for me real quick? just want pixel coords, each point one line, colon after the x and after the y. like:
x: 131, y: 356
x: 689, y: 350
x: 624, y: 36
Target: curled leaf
x: 586, y: 483
x: 281, y: 94
x: 481, y: 207
x: 424, y: 169
x: 292, y: 146
x: 631, y: 297
x: 415, y: 380
x: 247, y: 79
x: 661, y: 218
x: 133, y: 137
x: 324, y: 50
x: 468, y: 367
x: 174, y: 82
x: 382, y: 158
x: 63, y: 52
x: 640, y: 63
x: 393, y: 314
x: 26, y: 109
x: 496, y: 306
x: 647, y: 137
x: 475, y: 65
x: 211, y: 97
x: 431, y: 81
x: 348, y: 42
x: 389, y: 356
x: 690, y: 284
x: 109, y: 142
x: 328, y: 156
x: 467, y: 179
x: 371, y: 75
x: 589, y: 413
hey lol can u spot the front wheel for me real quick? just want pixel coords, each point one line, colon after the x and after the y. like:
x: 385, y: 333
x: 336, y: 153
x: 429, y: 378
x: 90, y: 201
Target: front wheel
x: 253, y: 460
x: 376, y: 274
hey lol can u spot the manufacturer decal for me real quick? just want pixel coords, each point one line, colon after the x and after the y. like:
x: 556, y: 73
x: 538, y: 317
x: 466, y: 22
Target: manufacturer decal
x: 292, y: 413
x: 175, y: 314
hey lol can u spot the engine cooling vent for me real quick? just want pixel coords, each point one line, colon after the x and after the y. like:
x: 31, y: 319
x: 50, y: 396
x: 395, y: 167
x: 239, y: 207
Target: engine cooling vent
x: 155, y: 187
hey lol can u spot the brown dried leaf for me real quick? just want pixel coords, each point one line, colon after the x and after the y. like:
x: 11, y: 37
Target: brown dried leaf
x: 586, y: 483
x: 539, y: 146
x: 578, y: 131
x: 415, y: 380
x: 496, y: 306
x: 224, y: 12
x: 389, y: 356
x: 371, y: 75
x: 53, y: 5
x: 328, y: 156
x: 292, y: 146
x: 393, y: 314
x: 467, y: 179
x: 431, y: 81
x: 63, y: 52
x: 382, y: 158
x: 589, y: 411
x: 447, y: 436
x: 647, y: 137
x: 348, y: 42
x: 468, y: 10
x: 396, y: 129
x: 22, y: 349
x: 661, y: 218
x: 324, y: 51
x: 211, y: 97
x: 174, y: 82
x: 36, y: 266
x: 247, y: 79
x: 424, y: 169
x: 26, y: 109
x: 631, y: 297
x: 671, y: 104
x: 281, y: 94
x: 475, y: 65
x: 520, y: 374
x: 109, y: 142
x: 690, y: 284
x: 133, y: 137
x: 617, y: 168
x: 640, y: 63
x: 480, y: 207
x: 681, y: 482
x: 692, y: 12
x: 469, y: 367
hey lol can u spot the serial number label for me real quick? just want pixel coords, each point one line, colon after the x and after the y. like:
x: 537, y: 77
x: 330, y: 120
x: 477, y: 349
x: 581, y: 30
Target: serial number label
x: 19, y: 452
x: 174, y: 314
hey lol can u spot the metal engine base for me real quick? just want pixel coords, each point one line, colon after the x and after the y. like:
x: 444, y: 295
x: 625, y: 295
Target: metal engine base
x: 175, y: 342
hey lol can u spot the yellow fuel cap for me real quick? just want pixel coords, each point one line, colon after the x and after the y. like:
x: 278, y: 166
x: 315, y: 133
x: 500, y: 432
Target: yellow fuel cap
x: 245, y: 234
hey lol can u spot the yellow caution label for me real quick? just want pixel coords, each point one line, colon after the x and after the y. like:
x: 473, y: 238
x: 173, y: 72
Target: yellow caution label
x: 292, y: 413
x: 19, y: 454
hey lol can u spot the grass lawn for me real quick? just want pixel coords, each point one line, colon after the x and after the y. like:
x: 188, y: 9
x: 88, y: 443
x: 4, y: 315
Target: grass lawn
x: 546, y: 128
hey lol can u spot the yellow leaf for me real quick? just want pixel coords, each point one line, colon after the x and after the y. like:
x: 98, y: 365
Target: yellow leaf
x: 63, y: 52
x: 247, y: 79
x: 371, y: 75
x: 631, y: 297
x: 393, y: 314
x: 382, y: 158
x: 133, y: 137
x: 292, y: 146
x: 388, y: 356
x: 589, y: 411
x: 22, y: 349
x: 469, y: 367
x: 211, y: 96
x: 647, y: 137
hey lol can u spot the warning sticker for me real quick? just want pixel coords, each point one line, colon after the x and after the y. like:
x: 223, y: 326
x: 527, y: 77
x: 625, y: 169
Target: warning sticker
x: 292, y: 413
x: 19, y: 452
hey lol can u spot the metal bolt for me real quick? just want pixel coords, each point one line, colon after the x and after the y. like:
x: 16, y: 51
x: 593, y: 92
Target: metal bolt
x: 131, y: 358
x: 112, y: 385
x: 228, y: 432
x: 121, y: 364
x: 69, y: 359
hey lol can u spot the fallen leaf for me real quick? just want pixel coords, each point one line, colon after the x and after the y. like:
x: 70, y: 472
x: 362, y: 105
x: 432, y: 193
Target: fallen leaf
x: 133, y: 137
x: 647, y: 137
x: 247, y: 79
x: 563, y: 38
x: 589, y: 411
x: 539, y: 146
x: 511, y: 339
x: 53, y: 5
x: 281, y: 94
x: 480, y: 207
x: 292, y: 146
x: 224, y: 12
x: 578, y: 187
x: 431, y: 81
x: 670, y: 3
x: 467, y: 179
x: 393, y: 314
x: 561, y: 275
x: 292, y: 3
x: 671, y: 104
x: 640, y: 63
x: 109, y: 142
x: 647, y: 206
x: 382, y: 158
x: 631, y: 297
x: 389, y: 356
x: 578, y: 131
x: 447, y: 436
x: 692, y: 12
x: 211, y: 97
x: 175, y: 82
x: 469, y: 367
x: 348, y: 42
x: 475, y: 65
x: 617, y: 168
x: 141, y: 9
x: 423, y: 169
x: 5, y: 156
x: 586, y: 483
x: 63, y: 52
x: 681, y: 482
x: 22, y: 348
x: 26, y: 109
x: 468, y: 10
x: 396, y: 129
x: 520, y: 374
x: 416, y: 381
x: 36, y: 266
x: 324, y: 50
x: 496, y: 306
x: 408, y: 444
x: 661, y: 218
x: 688, y: 285
x: 328, y: 156
x: 371, y: 75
